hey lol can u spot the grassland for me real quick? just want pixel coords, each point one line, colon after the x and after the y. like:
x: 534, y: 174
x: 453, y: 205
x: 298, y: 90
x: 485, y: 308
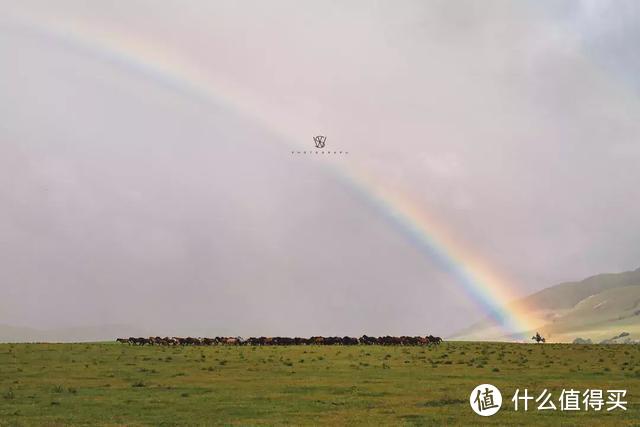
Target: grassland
x: 113, y: 384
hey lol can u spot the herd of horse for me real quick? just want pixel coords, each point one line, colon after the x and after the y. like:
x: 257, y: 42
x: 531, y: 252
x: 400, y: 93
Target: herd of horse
x: 260, y: 341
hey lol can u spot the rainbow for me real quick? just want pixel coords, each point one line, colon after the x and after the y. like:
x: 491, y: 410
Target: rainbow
x: 491, y: 293
x: 488, y: 290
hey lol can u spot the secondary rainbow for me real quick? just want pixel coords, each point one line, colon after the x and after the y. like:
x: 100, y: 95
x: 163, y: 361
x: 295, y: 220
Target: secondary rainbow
x: 485, y: 287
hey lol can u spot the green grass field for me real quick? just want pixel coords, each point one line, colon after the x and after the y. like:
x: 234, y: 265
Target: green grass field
x: 113, y: 384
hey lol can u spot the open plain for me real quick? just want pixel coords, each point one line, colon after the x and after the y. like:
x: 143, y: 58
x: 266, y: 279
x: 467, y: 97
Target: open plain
x: 121, y: 384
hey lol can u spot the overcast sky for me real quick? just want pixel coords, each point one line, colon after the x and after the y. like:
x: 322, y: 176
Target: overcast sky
x: 128, y: 197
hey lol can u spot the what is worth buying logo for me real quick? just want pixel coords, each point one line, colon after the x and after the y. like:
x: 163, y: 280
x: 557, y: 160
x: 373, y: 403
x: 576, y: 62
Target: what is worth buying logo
x: 485, y: 400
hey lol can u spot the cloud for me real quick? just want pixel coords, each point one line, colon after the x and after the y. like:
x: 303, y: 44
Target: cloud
x: 126, y: 200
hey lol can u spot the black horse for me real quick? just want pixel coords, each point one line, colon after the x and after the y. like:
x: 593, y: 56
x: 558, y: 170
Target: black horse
x: 538, y: 338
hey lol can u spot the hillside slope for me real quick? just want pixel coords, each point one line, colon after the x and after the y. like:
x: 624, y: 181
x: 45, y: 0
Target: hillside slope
x: 597, y: 308
x: 567, y: 295
x: 599, y: 317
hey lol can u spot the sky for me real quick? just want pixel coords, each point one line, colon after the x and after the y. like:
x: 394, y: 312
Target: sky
x: 147, y: 175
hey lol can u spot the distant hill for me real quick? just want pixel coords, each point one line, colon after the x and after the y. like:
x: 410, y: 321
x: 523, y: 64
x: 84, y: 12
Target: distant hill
x: 568, y: 294
x: 595, y: 308
x: 611, y: 311
x: 10, y: 333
